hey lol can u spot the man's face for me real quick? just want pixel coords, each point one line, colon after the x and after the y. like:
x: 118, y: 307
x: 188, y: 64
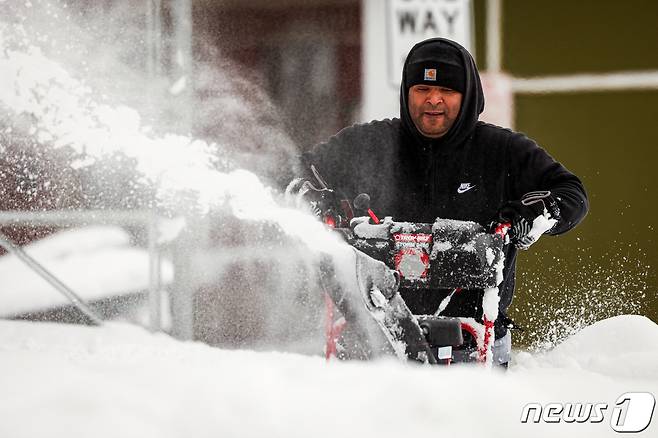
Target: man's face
x: 433, y: 109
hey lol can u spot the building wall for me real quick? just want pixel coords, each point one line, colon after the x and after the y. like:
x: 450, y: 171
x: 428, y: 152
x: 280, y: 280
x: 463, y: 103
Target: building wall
x: 607, y: 265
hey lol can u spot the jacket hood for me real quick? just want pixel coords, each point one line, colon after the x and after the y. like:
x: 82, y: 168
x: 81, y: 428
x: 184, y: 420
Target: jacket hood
x: 436, y: 49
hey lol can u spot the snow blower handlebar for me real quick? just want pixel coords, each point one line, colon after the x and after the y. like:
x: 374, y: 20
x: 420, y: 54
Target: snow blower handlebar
x: 446, y: 254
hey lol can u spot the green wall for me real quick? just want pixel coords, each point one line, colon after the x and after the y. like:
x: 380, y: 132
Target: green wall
x: 607, y: 265
x: 566, y: 36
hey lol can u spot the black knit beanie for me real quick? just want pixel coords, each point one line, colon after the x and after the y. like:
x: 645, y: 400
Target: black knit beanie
x: 436, y: 63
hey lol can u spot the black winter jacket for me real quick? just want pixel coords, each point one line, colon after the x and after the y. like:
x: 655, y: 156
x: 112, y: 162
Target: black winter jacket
x: 413, y: 178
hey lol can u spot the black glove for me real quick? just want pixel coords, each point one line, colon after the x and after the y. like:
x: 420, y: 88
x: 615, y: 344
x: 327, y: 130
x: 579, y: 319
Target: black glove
x: 304, y: 194
x: 323, y: 201
x: 525, y: 213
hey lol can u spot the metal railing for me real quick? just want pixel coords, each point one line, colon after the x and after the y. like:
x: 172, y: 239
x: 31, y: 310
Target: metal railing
x: 70, y: 218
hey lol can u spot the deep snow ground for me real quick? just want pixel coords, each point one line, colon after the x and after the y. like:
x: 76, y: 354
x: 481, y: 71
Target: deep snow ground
x: 120, y: 380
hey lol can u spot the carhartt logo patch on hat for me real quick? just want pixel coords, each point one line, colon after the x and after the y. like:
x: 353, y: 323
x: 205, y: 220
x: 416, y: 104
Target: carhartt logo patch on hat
x: 430, y: 74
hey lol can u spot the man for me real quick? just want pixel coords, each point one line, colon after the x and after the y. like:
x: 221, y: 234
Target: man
x: 438, y: 160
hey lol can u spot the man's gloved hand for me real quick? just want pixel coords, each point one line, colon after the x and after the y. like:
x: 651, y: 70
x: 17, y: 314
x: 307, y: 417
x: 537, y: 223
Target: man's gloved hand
x: 534, y: 214
x: 303, y: 194
x: 320, y: 199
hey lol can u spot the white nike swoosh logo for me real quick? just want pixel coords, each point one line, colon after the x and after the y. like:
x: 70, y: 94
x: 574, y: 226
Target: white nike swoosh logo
x: 465, y: 188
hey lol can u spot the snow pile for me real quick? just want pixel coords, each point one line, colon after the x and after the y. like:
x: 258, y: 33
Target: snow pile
x: 623, y: 346
x: 121, y: 381
x: 95, y: 262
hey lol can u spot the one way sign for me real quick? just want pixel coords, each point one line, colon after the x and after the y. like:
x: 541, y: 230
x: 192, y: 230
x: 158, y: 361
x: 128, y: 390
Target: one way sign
x: 410, y: 21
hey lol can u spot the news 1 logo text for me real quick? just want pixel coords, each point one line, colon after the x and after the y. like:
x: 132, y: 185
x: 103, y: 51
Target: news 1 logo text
x: 631, y: 413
